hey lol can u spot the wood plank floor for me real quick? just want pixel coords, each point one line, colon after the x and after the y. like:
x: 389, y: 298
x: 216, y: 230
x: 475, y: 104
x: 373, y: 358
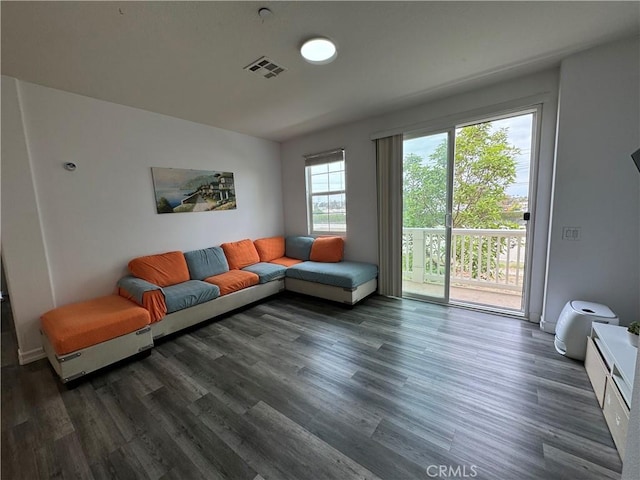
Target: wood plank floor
x: 298, y: 388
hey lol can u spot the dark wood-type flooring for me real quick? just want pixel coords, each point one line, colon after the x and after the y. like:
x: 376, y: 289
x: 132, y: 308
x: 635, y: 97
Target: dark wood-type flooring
x: 299, y: 388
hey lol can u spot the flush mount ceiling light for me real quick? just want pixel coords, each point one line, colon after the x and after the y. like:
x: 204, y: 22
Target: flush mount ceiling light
x: 319, y: 51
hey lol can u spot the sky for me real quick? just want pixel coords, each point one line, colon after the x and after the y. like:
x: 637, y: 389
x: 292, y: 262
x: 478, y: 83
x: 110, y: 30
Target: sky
x: 519, y: 135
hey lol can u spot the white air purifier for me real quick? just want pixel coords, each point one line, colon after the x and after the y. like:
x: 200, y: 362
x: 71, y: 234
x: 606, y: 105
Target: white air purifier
x: 574, y: 326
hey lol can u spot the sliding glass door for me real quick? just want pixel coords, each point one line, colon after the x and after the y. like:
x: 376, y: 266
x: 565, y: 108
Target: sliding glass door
x: 426, y: 216
x: 466, y: 196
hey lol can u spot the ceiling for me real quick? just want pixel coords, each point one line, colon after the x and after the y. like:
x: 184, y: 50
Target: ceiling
x: 186, y: 59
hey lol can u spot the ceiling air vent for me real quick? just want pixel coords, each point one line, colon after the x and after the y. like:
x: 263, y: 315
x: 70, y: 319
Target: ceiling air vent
x: 265, y: 67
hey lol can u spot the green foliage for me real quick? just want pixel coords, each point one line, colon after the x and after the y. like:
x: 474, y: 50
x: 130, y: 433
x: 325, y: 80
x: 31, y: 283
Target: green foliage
x: 163, y: 206
x: 334, y: 218
x: 634, y: 327
x: 485, y: 166
x: 425, y: 188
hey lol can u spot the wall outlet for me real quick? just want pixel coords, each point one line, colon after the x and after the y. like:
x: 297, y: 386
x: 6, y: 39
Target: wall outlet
x: 571, y: 233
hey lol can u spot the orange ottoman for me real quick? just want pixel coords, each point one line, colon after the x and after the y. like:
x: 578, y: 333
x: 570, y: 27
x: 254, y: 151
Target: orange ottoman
x: 83, y: 337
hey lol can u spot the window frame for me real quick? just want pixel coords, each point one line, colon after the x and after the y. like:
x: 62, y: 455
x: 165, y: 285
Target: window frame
x: 325, y: 158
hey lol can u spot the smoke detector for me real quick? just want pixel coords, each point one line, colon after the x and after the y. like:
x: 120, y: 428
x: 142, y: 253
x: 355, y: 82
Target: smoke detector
x: 264, y: 12
x: 265, y: 67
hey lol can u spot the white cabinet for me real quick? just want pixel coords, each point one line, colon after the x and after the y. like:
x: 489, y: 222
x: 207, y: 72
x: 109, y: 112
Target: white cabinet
x: 610, y: 364
x: 597, y: 370
x: 616, y: 413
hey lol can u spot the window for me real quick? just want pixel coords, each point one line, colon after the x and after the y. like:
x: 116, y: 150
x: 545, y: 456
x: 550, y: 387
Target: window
x: 326, y: 193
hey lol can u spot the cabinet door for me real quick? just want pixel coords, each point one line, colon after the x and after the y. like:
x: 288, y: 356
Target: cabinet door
x: 617, y: 415
x: 596, y: 370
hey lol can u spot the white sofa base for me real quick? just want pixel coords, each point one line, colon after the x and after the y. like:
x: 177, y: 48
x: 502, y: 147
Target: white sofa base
x: 350, y: 296
x: 181, y: 319
x: 86, y: 360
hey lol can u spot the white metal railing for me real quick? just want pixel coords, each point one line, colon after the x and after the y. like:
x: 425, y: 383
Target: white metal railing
x: 489, y: 257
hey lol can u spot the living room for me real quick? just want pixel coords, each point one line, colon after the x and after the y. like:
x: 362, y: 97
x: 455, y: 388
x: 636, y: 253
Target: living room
x: 68, y: 236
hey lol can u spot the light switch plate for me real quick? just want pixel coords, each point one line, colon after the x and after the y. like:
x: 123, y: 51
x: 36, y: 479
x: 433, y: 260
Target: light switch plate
x: 571, y: 233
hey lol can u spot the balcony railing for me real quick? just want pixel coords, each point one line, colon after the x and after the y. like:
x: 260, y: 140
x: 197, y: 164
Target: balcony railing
x: 483, y: 258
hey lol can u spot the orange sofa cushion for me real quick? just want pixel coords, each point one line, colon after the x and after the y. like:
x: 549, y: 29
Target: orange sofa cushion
x: 327, y: 249
x: 80, y: 325
x: 233, y: 280
x: 240, y: 254
x: 164, y: 269
x: 285, y: 261
x: 270, y: 248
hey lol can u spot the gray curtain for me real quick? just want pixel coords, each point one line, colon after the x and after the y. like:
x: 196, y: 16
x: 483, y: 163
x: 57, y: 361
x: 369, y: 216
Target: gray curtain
x: 389, y: 179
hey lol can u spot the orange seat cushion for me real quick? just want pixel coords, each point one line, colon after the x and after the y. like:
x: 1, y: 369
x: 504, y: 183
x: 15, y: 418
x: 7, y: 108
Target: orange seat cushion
x: 164, y: 269
x: 240, y: 254
x: 285, y: 261
x: 80, y: 325
x: 233, y: 280
x: 327, y: 249
x: 270, y: 248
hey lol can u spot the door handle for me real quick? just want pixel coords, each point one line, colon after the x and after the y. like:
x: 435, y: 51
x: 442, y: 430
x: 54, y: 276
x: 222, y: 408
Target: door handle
x: 447, y: 220
x: 526, y: 216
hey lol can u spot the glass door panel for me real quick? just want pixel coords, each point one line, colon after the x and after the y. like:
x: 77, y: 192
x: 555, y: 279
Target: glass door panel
x: 426, y: 210
x: 491, y: 185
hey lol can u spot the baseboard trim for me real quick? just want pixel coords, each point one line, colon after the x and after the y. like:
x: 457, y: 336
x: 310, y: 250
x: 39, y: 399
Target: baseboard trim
x: 31, y: 355
x: 547, y: 327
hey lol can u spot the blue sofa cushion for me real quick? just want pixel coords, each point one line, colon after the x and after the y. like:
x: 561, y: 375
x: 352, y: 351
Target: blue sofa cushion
x: 267, y: 271
x: 342, y: 274
x: 298, y: 247
x: 187, y: 294
x: 206, y: 262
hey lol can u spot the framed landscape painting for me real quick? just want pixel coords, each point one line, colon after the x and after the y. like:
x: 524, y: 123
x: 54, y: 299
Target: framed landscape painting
x: 179, y: 190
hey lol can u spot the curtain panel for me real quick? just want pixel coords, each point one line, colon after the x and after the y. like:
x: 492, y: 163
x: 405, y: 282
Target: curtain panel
x: 389, y: 180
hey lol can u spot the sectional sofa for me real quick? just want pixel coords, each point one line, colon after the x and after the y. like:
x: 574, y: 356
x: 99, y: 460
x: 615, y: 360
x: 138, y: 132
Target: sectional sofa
x: 168, y: 292
x: 182, y: 289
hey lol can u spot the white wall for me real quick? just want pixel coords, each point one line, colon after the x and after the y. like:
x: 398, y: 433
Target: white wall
x: 94, y: 220
x: 596, y: 183
x: 361, y: 163
x: 362, y: 241
x: 23, y: 249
